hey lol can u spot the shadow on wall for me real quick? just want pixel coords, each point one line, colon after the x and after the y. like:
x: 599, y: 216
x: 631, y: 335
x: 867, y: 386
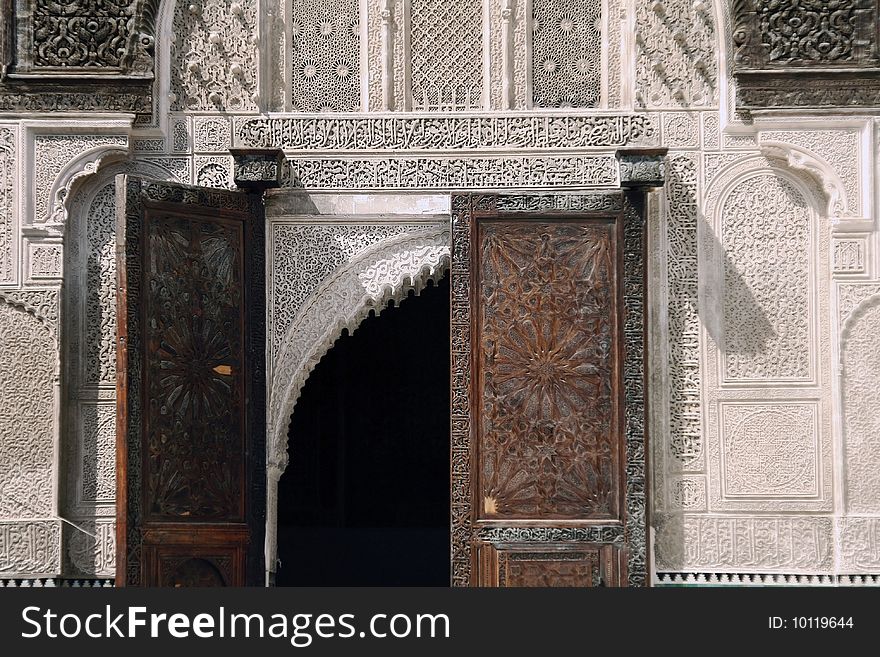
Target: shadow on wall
x: 717, y: 292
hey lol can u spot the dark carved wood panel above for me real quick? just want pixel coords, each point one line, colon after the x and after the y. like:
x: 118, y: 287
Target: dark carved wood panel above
x: 194, y: 332
x: 548, y: 341
x: 806, y: 53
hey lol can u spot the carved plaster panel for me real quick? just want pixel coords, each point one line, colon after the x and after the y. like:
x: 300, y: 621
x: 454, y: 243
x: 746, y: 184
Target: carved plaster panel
x: 676, y: 46
x: 180, y: 134
x: 767, y: 234
x: 211, y: 134
x: 213, y: 56
x: 789, y: 543
x: 8, y: 206
x: 61, y: 159
x: 97, y: 458
x: 682, y: 410
x: 861, y: 400
x: 566, y: 53
x: 764, y: 301
x: 770, y: 450
x: 27, y: 411
x: 213, y: 171
x: 379, y: 28
x: 858, y: 544
x: 841, y: 151
x: 44, y: 260
x: 308, y: 255
x: 91, y: 548
x: 688, y: 492
x: 850, y: 295
x: 169, y: 168
x: 711, y: 131
x: 516, y: 172
x: 446, y: 60
x: 849, y: 256
x: 325, y: 56
x: 454, y: 133
x: 681, y: 130
x: 30, y: 547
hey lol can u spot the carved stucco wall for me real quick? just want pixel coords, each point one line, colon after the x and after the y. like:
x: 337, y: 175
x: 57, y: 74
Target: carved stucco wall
x: 349, y: 55
x: 720, y: 382
x: 859, y: 530
x: 30, y: 532
x: 753, y: 423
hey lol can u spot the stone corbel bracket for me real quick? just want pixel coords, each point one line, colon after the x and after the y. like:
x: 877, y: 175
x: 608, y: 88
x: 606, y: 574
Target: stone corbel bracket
x: 642, y: 168
x: 801, y: 159
x: 257, y: 168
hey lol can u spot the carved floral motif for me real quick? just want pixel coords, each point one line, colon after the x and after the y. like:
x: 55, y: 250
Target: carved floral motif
x: 767, y: 233
x: 806, y: 31
x: 548, y: 431
x: 194, y: 368
x: 89, y: 34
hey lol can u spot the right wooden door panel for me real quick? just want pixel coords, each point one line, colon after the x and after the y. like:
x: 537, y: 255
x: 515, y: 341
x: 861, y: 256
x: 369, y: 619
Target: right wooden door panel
x: 548, y: 371
x: 548, y: 390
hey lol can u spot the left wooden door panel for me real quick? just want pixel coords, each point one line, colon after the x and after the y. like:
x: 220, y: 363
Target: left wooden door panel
x: 191, y: 385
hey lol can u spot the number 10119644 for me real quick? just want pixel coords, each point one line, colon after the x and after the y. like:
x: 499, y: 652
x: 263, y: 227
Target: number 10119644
x: 810, y: 623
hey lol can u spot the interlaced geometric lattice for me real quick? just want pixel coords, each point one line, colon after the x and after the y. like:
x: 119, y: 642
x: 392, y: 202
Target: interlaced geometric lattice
x: 566, y: 53
x: 325, y: 51
x: 446, y: 55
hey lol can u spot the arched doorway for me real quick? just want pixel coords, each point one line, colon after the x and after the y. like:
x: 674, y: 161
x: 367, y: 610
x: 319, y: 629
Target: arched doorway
x: 365, y: 499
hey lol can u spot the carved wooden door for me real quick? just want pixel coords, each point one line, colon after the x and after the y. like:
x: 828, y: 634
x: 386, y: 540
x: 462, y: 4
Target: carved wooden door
x: 190, y: 386
x: 547, y: 390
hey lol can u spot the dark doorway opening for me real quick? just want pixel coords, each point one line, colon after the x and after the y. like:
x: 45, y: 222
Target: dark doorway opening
x: 365, y: 499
